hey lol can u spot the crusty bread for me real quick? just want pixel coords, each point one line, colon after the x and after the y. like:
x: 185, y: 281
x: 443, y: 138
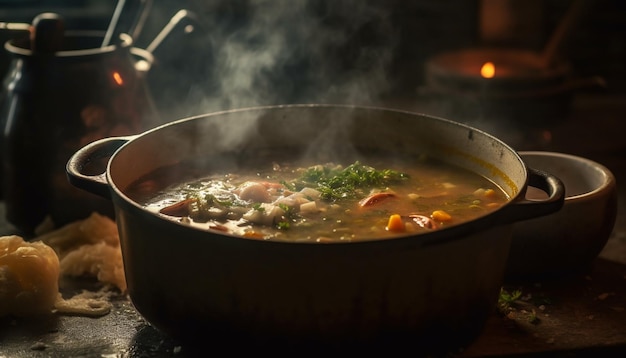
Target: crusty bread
x: 30, y: 271
x: 89, y: 247
x: 29, y: 277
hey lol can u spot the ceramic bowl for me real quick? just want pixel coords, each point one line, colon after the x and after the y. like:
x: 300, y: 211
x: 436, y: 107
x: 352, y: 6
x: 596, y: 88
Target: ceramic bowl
x: 570, y: 239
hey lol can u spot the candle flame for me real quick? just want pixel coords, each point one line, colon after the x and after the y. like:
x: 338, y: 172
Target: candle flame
x: 488, y: 70
x: 118, y: 78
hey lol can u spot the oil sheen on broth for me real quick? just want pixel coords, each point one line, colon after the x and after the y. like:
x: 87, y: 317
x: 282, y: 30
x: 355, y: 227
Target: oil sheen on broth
x: 321, y: 202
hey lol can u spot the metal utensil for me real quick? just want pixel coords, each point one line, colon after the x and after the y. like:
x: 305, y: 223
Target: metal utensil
x: 14, y: 26
x: 47, y: 34
x: 562, y: 33
x: 174, y: 21
x: 140, y: 18
x: 113, y: 23
x: 120, y: 20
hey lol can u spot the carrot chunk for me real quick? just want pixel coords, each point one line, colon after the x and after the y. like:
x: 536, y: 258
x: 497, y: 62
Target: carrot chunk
x: 253, y: 234
x: 395, y: 223
x: 441, y: 215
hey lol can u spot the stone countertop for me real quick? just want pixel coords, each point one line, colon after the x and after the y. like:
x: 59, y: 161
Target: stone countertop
x: 580, y: 314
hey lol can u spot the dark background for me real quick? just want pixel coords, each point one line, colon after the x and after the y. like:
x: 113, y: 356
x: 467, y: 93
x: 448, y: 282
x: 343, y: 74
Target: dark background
x: 245, y: 52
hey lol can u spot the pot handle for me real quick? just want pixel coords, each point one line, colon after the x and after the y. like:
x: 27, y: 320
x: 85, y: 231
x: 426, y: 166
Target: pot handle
x: 523, y: 209
x: 95, y: 151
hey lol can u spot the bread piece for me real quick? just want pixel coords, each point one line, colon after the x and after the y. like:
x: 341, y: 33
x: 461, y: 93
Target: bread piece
x: 29, y: 277
x: 89, y: 247
x: 98, y: 260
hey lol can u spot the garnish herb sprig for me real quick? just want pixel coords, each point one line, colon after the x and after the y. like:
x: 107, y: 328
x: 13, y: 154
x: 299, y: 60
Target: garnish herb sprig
x: 336, y: 183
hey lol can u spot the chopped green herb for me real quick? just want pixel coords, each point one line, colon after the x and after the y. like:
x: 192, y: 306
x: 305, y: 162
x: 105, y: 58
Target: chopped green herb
x: 506, y: 298
x: 289, y: 216
x: 532, y: 317
x: 288, y: 185
x: 335, y: 183
x: 289, y: 211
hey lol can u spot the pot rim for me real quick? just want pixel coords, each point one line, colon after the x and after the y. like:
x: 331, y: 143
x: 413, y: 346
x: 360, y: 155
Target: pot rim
x: 505, y: 215
x: 17, y: 47
x: 144, y: 59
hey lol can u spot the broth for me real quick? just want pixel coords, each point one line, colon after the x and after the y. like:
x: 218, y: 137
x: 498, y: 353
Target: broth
x: 320, y: 202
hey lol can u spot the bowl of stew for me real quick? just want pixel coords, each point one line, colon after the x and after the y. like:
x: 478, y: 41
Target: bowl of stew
x: 315, y: 226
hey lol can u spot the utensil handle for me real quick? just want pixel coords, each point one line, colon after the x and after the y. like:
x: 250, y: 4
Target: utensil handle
x: 113, y: 24
x: 103, y: 148
x: 524, y: 209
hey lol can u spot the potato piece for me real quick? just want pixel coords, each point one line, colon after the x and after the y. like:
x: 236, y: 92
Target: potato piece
x: 29, y: 277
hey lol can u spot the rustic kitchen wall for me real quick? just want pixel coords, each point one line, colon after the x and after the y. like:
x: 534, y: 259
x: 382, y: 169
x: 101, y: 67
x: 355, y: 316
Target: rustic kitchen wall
x: 356, y: 50
x: 598, y: 46
x: 247, y: 52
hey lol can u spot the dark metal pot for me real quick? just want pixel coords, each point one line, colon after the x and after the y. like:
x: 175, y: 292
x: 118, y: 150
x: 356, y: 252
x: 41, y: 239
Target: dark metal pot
x: 422, y: 292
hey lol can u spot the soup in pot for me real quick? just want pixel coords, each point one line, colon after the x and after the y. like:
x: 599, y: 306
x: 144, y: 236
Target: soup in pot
x: 327, y: 202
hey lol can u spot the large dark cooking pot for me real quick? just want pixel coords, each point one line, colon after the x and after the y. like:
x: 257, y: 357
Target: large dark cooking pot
x: 427, y: 291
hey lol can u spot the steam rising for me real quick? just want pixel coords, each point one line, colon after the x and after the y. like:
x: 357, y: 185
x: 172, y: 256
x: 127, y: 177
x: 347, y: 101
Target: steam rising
x: 280, y: 32
x: 292, y: 51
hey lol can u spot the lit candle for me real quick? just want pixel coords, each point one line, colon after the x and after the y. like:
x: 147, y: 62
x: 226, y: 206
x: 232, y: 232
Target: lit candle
x: 488, y: 70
